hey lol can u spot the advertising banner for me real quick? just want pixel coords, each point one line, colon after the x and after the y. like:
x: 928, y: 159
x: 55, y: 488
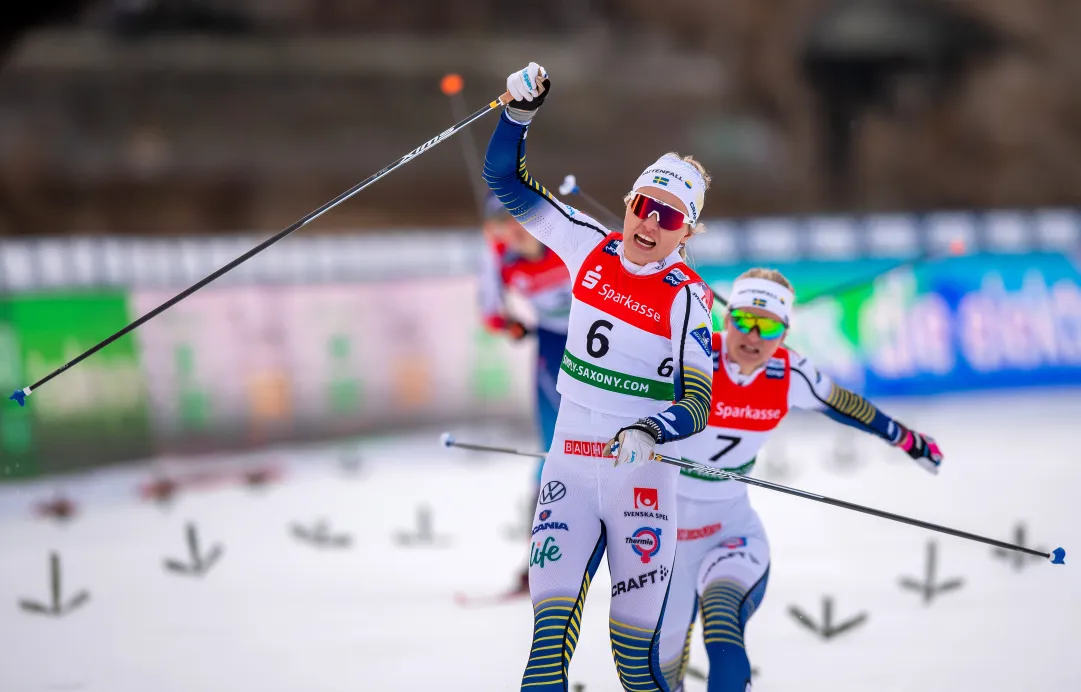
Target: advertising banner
x: 98, y: 412
x: 955, y: 324
x: 244, y: 366
x: 17, y: 455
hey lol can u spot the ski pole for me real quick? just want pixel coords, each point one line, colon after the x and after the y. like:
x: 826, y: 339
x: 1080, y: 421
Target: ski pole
x: 451, y: 85
x: 20, y: 394
x: 570, y: 187
x: 1057, y: 556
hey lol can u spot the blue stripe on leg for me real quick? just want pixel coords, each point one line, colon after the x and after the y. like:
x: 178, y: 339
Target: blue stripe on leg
x: 726, y: 607
x: 557, y: 622
x: 675, y: 669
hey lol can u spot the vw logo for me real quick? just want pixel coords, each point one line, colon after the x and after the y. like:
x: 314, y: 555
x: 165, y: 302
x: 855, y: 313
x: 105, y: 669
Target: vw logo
x: 553, y: 491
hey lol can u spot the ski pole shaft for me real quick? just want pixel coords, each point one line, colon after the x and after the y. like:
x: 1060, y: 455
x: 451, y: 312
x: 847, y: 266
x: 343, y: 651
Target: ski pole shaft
x: 1057, y: 556
x: 20, y: 395
x: 570, y: 187
x: 451, y: 85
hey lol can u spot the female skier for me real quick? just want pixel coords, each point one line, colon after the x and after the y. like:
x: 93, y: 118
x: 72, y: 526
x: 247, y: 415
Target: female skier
x: 516, y: 261
x: 634, y: 378
x: 722, y: 564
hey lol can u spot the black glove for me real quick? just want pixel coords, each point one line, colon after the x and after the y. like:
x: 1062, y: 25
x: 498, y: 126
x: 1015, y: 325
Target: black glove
x: 517, y: 330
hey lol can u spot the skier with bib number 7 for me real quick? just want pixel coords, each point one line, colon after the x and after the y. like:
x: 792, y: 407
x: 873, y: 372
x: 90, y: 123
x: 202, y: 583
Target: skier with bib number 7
x: 722, y: 564
x: 634, y: 379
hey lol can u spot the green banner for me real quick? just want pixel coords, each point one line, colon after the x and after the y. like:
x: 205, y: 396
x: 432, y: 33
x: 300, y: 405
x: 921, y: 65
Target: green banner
x: 18, y: 458
x: 616, y: 381
x: 94, y: 413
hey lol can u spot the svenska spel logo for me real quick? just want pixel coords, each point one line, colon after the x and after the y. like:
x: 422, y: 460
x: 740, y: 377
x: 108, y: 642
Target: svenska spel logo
x: 645, y: 498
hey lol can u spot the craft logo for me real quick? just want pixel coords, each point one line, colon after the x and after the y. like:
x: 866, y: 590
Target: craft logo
x: 702, y: 336
x: 645, y: 498
x: 646, y: 542
x: 592, y: 277
x: 553, y: 491
x: 698, y: 533
x: 549, y: 526
x: 583, y: 448
x: 545, y: 553
x: 543, y: 516
x: 660, y: 180
x: 675, y: 277
x: 641, y: 581
x: 612, y: 248
x: 731, y: 544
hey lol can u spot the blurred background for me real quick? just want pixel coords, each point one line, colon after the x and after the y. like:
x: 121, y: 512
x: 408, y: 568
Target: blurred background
x: 146, y: 142
x: 923, y: 154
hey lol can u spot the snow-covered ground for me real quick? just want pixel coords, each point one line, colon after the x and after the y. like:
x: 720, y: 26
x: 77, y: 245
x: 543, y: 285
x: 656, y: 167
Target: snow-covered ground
x: 276, y: 614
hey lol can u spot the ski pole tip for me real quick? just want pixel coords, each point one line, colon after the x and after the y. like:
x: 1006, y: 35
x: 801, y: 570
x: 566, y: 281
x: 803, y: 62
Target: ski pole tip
x: 1058, y: 556
x: 446, y: 439
x: 19, y: 396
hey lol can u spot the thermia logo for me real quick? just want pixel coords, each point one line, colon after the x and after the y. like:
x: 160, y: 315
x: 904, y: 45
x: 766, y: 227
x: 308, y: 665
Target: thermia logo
x: 747, y: 412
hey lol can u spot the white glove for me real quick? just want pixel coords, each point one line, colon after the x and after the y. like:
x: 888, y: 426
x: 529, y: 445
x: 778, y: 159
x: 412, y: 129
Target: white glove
x: 524, y: 85
x: 631, y: 446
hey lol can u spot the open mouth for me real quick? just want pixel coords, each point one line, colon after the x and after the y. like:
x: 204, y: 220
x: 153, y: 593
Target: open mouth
x: 749, y: 350
x: 644, y: 242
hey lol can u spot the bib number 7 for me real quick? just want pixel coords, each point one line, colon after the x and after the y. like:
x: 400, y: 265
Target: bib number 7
x: 730, y: 444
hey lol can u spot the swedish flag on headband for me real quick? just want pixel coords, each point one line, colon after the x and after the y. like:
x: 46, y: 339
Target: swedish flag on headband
x: 660, y: 180
x: 759, y: 302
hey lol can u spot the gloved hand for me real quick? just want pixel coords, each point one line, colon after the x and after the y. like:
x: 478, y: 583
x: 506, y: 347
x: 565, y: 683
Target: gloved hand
x: 922, y: 448
x: 635, y: 443
x: 529, y: 87
x: 507, y: 325
x: 516, y: 330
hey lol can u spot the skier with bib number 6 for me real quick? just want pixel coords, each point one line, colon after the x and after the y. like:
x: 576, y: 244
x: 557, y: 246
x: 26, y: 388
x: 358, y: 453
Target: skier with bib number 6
x: 634, y: 379
x: 722, y: 564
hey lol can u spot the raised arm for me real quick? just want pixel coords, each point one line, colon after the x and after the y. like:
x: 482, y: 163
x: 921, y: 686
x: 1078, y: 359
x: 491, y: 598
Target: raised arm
x: 567, y: 231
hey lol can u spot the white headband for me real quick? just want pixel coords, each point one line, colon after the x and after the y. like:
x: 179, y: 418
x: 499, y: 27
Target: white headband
x: 765, y: 294
x: 678, y: 177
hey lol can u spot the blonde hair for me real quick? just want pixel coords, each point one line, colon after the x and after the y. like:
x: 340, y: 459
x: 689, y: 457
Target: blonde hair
x: 769, y: 275
x: 699, y: 227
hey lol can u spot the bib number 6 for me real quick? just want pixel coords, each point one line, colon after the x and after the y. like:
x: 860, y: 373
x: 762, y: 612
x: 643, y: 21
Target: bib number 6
x: 596, y: 341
